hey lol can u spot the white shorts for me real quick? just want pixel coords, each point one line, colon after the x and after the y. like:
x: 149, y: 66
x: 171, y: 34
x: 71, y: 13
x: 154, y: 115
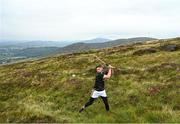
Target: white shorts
x: 96, y: 94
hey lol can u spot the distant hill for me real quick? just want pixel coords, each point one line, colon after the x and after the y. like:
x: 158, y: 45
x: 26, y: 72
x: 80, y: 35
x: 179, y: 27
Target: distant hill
x: 30, y: 44
x: 96, y: 40
x: 84, y: 46
x: 32, y: 49
x: 8, y: 55
x: 4, y: 43
x: 41, y: 43
x: 12, y: 51
x: 36, y: 51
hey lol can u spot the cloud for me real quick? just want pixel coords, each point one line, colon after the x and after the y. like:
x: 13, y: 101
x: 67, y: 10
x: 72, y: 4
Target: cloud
x: 84, y: 19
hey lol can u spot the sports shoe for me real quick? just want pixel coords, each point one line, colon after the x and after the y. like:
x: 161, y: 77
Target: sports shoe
x: 81, y: 109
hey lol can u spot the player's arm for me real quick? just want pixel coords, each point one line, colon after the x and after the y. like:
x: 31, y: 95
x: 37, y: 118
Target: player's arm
x: 109, y: 73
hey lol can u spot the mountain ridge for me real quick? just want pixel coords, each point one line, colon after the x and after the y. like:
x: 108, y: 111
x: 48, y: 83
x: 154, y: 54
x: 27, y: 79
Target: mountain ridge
x: 81, y: 46
x: 33, y: 49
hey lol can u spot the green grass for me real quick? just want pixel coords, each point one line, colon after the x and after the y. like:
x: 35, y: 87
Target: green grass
x: 144, y: 88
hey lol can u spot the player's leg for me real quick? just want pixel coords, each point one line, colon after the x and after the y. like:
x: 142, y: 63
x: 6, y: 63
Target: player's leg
x: 91, y: 100
x: 105, y: 100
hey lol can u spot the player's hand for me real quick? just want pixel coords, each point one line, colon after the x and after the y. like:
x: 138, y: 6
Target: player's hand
x: 110, y: 66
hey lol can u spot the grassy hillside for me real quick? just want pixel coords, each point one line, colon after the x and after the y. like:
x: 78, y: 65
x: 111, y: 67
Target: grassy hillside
x: 144, y: 86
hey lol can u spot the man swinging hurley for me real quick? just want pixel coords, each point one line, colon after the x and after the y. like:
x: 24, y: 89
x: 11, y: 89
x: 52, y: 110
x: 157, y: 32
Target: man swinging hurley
x: 99, y: 87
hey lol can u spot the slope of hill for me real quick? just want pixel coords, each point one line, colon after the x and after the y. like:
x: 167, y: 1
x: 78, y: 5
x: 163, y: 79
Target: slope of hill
x: 12, y: 51
x: 9, y: 55
x: 144, y: 86
x: 85, y: 46
x: 36, y: 51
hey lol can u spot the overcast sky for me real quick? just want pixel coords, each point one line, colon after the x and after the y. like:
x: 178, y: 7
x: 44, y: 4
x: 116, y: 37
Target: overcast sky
x: 86, y: 19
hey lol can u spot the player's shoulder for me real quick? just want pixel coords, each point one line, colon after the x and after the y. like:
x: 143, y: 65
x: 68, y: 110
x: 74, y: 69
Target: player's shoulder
x: 99, y: 74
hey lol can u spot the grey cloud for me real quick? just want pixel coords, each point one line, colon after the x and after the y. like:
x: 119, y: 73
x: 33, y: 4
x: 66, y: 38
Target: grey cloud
x: 83, y: 19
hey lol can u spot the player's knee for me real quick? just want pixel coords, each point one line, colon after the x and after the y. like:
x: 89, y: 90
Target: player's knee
x: 91, y: 100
